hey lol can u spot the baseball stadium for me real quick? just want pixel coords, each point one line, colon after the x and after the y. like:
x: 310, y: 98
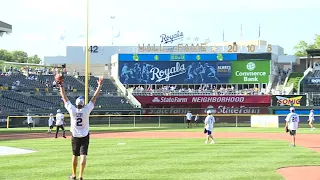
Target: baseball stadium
x: 140, y: 125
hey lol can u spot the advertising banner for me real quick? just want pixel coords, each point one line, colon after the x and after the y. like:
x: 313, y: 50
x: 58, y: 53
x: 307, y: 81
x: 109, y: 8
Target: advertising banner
x: 153, y: 100
x: 244, y: 72
x: 213, y: 72
x: 176, y: 57
x: 174, y: 72
x: 234, y: 108
x: 313, y: 81
x: 270, y: 121
x: 289, y: 100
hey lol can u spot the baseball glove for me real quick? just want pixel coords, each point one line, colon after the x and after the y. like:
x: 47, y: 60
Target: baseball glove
x: 205, y: 131
x: 287, y: 130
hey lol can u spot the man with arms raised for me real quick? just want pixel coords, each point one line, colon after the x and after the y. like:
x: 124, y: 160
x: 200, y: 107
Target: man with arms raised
x: 79, y: 126
x: 292, y: 125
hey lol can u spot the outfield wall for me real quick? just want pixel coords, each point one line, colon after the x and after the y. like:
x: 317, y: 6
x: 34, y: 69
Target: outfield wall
x: 169, y: 121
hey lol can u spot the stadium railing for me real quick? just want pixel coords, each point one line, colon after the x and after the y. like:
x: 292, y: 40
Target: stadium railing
x: 162, y: 121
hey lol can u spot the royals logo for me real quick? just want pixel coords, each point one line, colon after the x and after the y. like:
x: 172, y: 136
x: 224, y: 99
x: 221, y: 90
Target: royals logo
x: 165, y: 74
x: 171, y: 38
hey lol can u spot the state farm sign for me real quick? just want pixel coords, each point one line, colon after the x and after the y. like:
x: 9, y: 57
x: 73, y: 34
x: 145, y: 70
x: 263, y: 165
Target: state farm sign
x: 151, y: 100
x: 169, y: 99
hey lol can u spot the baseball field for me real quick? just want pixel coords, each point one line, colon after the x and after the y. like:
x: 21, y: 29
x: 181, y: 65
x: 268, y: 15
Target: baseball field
x: 165, y: 153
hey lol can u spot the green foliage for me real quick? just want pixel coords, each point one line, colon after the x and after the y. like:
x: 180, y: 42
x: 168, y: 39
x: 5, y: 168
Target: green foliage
x: 294, y: 79
x: 18, y: 56
x: 302, y: 46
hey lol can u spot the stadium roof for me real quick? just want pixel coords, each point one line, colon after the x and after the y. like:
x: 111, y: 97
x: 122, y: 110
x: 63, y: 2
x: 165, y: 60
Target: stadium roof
x: 313, y: 52
x: 5, y: 28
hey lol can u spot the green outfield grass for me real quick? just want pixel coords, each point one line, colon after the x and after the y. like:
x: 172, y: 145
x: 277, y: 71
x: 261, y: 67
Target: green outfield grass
x: 236, y: 159
x: 104, y: 128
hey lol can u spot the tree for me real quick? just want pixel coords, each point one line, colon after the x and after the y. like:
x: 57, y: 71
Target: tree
x: 34, y: 59
x: 302, y: 46
x: 19, y: 57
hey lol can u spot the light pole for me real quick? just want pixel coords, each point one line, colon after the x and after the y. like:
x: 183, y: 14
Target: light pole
x: 112, y: 18
x: 86, y: 92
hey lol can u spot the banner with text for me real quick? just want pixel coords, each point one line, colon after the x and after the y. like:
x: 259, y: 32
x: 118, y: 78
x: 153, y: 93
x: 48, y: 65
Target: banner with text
x: 244, y: 72
x: 174, y: 72
x: 215, y: 100
x: 289, y: 100
x: 219, y: 72
x: 176, y: 57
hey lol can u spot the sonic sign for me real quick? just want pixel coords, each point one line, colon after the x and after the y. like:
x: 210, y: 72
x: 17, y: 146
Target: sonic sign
x: 289, y: 100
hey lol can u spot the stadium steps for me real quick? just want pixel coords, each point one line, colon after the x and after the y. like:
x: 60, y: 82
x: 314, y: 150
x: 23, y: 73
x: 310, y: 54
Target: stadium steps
x: 294, y: 79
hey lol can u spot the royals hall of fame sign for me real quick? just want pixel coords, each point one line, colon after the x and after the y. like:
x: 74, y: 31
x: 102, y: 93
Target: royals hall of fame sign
x: 173, y: 43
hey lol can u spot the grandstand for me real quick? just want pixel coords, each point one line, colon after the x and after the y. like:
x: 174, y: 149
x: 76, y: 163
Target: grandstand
x: 37, y: 93
x: 34, y: 90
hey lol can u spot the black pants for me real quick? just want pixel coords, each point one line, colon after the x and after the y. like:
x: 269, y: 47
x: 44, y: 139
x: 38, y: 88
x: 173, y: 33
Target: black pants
x: 80, y: 145
x: 57, y: 131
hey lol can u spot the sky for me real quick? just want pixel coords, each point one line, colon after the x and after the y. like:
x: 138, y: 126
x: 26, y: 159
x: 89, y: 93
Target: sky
x: 46, y: 27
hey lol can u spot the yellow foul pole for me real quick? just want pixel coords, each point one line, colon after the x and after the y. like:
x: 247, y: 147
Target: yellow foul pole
x: 86, y: 93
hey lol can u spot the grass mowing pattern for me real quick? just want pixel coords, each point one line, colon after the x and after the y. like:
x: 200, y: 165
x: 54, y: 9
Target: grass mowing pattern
x: 236, y: 159
x: 304, y: 129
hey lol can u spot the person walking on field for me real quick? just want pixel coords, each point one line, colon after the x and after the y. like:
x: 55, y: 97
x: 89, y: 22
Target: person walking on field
x: 196, y: 120
x: 79, y: 126
x: 311, y: 120
x: 292, y: 125
x: 29, y: 121
x: 208, y: 126
x: 50, y: 122
x: 60, y: 123
x: 189, y: 119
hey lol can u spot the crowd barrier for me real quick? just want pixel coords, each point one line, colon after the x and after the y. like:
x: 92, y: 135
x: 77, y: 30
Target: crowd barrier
x: 168, y: 121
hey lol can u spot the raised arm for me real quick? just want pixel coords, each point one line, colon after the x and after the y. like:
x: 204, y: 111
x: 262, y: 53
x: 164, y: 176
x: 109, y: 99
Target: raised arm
x: 96, y: 94
x: 60, y: 81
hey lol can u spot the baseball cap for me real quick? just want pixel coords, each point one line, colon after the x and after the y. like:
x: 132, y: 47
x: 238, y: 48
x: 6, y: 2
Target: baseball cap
x: 58, y: 111
x: 291, y: 108
x: 80, y: 101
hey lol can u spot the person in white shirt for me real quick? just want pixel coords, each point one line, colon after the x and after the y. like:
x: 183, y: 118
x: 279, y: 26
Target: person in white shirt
x: 292, y: 125
x: 189, y: 118
x: 79, y: 127
x: 196, y: 120
x: 29, y: 121
x: 50, y: 122
x: 311, y: 120
x: 60, y: 124
x: 208, y: 126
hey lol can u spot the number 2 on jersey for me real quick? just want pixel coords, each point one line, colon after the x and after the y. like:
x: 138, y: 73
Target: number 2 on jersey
x: 294, y: 119
x: 79, y: 122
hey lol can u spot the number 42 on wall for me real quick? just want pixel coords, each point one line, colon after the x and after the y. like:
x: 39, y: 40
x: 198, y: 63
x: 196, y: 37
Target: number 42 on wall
x: 93, y: 49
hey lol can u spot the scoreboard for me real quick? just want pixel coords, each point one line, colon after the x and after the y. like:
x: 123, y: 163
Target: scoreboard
x: 222, y: 47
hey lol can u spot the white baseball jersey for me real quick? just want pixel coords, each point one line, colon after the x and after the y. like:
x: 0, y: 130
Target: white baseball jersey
x: 79, y: 119
x: 50, y: 120
x: 29, y: 119
x: 209, y: 121
x: 311, y: 116
x: 59, y: 119
x: 189, y: 116
x: 293, y: 121
x: 196, y: 118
